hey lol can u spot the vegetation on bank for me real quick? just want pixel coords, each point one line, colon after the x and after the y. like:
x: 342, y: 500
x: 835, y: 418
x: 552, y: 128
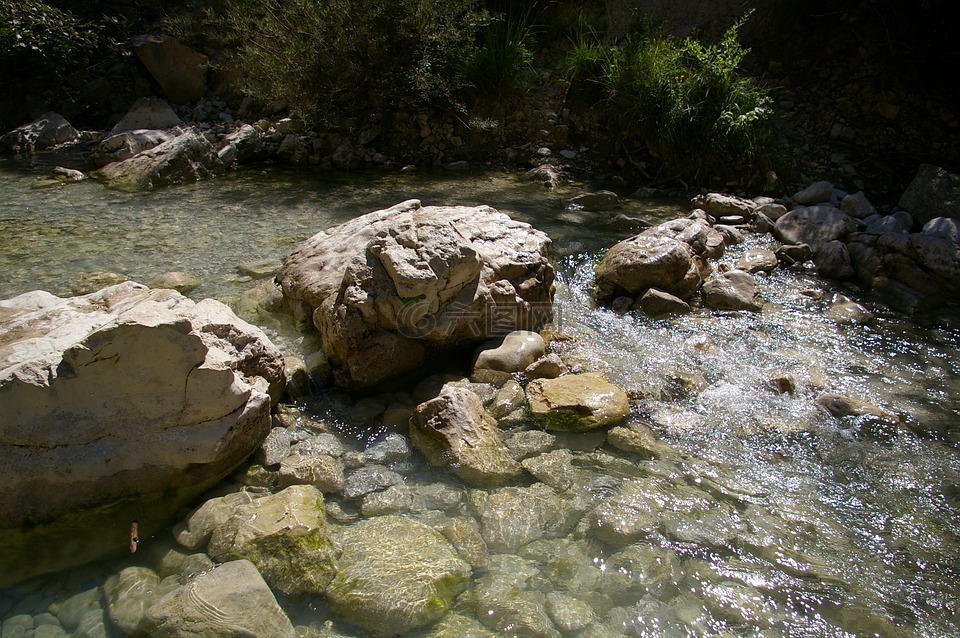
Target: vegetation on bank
x: 343, y: 64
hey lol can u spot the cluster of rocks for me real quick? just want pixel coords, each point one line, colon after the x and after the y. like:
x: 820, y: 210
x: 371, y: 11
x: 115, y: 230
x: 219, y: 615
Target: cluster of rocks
x: 908, y: 257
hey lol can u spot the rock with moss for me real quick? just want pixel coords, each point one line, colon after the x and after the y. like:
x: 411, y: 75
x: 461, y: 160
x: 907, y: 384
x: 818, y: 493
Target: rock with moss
x: 577, y: 402
x: 286, y: 536
x: 395, y: 575
x: 454, y: 430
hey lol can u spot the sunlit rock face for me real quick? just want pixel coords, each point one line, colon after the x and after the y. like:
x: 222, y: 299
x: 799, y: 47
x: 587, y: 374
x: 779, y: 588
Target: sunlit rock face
x: 119, y: 405
x: 392, y: 287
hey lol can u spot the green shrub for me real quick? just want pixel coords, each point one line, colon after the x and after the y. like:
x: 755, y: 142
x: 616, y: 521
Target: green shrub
x: 338, y: 61
x: 683, y: 101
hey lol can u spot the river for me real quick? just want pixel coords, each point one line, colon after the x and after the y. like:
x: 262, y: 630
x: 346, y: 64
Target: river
x: 816, y: 526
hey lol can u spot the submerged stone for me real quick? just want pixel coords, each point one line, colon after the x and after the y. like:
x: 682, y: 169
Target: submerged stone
x: 228, y: 601
x: 395, y: 575
x: 286, y: 536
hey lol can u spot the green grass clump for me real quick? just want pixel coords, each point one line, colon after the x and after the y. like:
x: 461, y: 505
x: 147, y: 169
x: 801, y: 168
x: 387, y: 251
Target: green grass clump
x: 683, y: 101
x: 502, y: 66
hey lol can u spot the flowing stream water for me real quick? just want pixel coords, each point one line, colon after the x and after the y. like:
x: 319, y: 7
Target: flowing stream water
x: 771, y: 517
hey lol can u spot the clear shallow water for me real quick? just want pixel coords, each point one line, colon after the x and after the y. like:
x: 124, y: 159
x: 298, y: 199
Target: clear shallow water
x: 772, y: 518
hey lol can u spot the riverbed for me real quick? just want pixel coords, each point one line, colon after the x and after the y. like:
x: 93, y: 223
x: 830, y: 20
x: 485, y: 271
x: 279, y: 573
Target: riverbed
x: 775, y: 518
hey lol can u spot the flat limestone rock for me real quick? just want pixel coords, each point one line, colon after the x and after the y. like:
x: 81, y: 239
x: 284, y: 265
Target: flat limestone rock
x: 122, y: 404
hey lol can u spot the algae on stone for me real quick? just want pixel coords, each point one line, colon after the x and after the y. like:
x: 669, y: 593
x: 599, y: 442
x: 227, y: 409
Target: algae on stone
x: 577, y: 402
x: 395, y: 575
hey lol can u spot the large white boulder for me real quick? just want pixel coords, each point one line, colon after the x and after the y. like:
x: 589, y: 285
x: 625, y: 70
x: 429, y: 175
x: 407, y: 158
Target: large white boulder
x: 119, y: 405
x: 389, y: 288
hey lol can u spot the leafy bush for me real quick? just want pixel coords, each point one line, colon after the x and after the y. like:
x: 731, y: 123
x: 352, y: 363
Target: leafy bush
x: 336, y: 61
x: 684, y: 101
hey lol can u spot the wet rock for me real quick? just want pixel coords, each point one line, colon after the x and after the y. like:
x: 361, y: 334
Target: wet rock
x: 454, y: 430
x: 909, y: 271
x: 506, y: 599
x: 857, y: 205
x: 511, y: 517
x: 833, y: 261
x: 286, y: 536
x: 772, y: 211
x: 326, y: 443
x: 732, y: 290
x: 699, y: 235
x: 147, y: 113
x: 642, y: 507
x: 92, y: 625
x: 895, y: 223
x: 944, y: 228
x: 50, y: 129
x: 549, y: 366
x: 731, y: 236
x: 509, y: 398
x: 62, y: 174
x: 455, y: 625
x: 276, y: 446
x: 568, y: 613
x: 180, y: 281
x: 555, y: 469
x: 127, y: 596
x: 394, y: 447
x: 71, y: 611
x: 816, y: 193
x: 463, y: 532
x: 94, y: 281
x: 599, y: 201
x: 394, y: 285
x: 529, y: 442
x: 720, y: 204
x: 546, y: 174
x: 323, y: 472
x: 790, y: 254
x: 367, y: 479
x: 933, y: 193
x: 185, y: 158
x: 395, y: 575
x: 758, y: 260
x: 638, y: 439
x: 840, y: 406
x: 179, y: 70
x: 641, y: 569
x: 783, y: 384
x: 657, y: 303
x: 814, y: 226
x: 246, y: 143
x: 124, y: 145
x: 126, y: 382
x: 642, y: 262
x: 577, y: 402
x: 230, y: 600
x: 512, y: 353
x: 195, y: 531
